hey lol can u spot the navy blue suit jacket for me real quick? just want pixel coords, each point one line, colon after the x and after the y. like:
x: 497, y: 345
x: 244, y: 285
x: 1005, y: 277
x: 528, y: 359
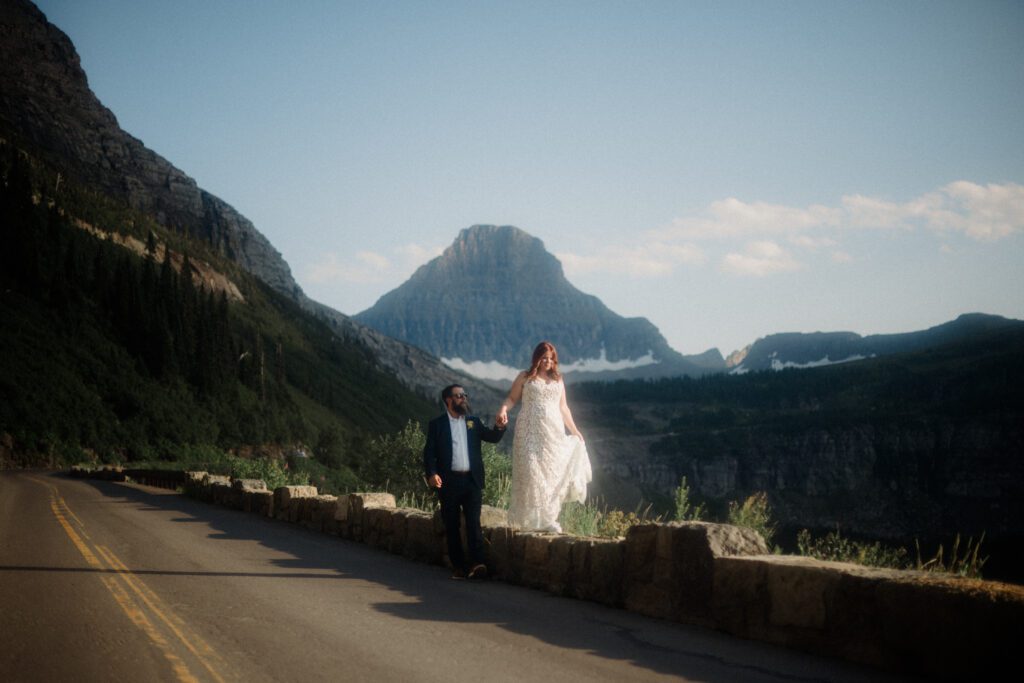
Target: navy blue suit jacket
x: 437, y: 454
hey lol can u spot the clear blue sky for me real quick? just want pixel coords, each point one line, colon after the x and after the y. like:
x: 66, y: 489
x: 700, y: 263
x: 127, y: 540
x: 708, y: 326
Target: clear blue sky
x: 725, y: 169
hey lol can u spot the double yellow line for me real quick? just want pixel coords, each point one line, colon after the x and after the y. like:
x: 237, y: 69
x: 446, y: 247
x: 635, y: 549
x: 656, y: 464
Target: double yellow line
x: 143, y: 607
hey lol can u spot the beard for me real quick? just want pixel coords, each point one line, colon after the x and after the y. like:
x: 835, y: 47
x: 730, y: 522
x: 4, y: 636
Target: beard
x: 460, y: 408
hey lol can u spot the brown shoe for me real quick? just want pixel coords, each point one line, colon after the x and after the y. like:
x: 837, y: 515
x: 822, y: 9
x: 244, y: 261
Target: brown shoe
x: 459, y: 574
x: 479, y: 571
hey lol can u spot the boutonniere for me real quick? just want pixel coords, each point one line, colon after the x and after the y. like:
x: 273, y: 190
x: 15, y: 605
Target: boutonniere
x: 469, y: 424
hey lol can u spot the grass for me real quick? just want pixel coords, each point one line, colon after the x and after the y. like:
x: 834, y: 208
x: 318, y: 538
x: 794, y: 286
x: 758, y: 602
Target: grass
x: 969, y: 564
x: 592, y: 518
x: 835, y: 547
x: 754, y: 513
x: 686, y: 511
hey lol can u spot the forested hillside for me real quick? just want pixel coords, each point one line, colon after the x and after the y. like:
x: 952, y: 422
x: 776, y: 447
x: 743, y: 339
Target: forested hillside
x: 917, y: 445
x: 125, y: 354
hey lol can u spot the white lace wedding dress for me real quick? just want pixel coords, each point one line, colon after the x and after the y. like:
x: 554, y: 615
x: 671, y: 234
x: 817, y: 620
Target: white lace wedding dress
x: 548, y: 466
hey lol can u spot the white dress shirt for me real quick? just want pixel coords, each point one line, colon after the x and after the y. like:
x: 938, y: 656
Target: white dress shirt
x: 460, y: 444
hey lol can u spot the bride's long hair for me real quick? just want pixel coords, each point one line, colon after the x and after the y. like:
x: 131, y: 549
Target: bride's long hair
x: 538, y: 353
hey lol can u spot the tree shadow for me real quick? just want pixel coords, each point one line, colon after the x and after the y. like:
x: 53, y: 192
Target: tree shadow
x: 643, y: 643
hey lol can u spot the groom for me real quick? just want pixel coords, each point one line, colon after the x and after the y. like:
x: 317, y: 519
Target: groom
x: 453, y: 465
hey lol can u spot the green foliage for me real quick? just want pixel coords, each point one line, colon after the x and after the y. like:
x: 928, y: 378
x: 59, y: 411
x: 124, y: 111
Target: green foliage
x: 121, y: 357
x: 686, y: 511
x: 591, y: 518
x: 976, y: 379
x: 330, y: 447
x: 754, y: 513
x: 305, y: 470
x: 969, y: 564
x: 615, y: 523
x: 966, y: 561
x: 394, y: 462
x: 425, y: 500
x: 498, y: 479
x: 267, y: 469
x: 581, y: 519
x: 835, y: 547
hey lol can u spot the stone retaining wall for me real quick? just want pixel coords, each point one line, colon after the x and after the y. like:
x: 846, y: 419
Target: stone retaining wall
x: 713, y: 575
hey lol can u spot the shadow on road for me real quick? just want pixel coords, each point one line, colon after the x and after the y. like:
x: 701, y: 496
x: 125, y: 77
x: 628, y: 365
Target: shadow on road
x: 648, y: 644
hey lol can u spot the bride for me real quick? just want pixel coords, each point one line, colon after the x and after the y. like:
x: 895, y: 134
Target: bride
x: 548, y: 467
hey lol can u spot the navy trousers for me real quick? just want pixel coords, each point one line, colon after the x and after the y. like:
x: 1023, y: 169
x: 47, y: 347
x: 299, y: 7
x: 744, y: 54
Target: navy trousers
x: 460, y: 494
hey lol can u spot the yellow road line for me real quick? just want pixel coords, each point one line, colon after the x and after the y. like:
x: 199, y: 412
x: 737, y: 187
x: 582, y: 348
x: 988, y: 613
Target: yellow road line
x: 131, y: 610
x: 196, y: 645
x: 199, y: 648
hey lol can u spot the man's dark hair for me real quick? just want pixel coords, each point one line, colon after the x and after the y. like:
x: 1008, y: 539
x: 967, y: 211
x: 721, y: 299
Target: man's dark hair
x: 448, y: 390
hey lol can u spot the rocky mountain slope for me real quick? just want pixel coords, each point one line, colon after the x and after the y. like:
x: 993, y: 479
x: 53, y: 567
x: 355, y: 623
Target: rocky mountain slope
x: 496, y: 291
x: 799, y: 350
x: 46, y: 106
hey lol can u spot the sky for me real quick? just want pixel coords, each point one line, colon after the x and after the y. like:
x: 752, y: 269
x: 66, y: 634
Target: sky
x: 727, y: 170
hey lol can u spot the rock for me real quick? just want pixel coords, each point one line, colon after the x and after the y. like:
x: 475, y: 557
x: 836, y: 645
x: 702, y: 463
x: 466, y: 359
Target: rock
x: 537, y: 302
x: 669, y: 568
x: 249, y: 484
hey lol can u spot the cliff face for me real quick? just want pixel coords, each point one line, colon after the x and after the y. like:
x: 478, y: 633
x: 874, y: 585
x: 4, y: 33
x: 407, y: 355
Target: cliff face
x: 926, y: 482
x: 496, y: 292
x: 925, y: 443
x: 46, y: 107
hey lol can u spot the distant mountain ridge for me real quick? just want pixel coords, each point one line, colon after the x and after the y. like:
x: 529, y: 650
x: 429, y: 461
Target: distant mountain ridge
x: 496, y: 291
x: 807, y: 350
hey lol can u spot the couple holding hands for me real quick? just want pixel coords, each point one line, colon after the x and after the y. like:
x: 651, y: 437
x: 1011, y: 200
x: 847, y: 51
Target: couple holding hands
x: 548, y: 466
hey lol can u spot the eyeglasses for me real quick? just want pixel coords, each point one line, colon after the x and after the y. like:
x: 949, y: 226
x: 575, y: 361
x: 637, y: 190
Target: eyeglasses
x: 460, y: 396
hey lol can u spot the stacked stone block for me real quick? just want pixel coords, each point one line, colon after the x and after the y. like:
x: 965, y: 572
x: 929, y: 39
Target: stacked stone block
x: 710, y: 574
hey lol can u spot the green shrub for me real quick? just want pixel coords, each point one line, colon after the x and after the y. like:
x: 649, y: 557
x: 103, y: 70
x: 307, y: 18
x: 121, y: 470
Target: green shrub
x: 498, y: 481
x: 580, y: 519
x: 968, y: 565
x: 394, y: 462
x: 754, y: 513
x: 592, y: 518
x: 835, y: 547
x: 686, y: 511
x: 269, y: 470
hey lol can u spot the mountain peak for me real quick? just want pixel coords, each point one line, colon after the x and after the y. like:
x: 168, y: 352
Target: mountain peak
x: 496, y: 292
x: 504, y: 252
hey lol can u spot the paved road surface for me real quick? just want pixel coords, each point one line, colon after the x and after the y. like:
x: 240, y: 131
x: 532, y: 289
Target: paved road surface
x: 116, y: 582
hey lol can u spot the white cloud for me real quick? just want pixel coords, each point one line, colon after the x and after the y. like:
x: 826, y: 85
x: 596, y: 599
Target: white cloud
x: 371, y: 259
x: 369, y: 267
x: 867, y: 212
x: 808, y: 242
x: 760, y: 259
x: 990, y: 212
x: 982, y: 212
x: 414, y: 255
x: 734, y: 218
x: 644, y: 260
x: 840, y: 256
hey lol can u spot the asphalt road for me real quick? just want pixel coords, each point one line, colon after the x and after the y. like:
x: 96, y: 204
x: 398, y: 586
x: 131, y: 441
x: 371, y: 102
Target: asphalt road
x: 116, y: 582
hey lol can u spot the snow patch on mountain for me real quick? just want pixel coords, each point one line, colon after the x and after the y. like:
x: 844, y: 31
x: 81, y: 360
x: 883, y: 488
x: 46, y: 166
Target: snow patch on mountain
x: 602, y: 364
x: 483, y: 369
x: 782, y: 365
x: 494, y: 370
